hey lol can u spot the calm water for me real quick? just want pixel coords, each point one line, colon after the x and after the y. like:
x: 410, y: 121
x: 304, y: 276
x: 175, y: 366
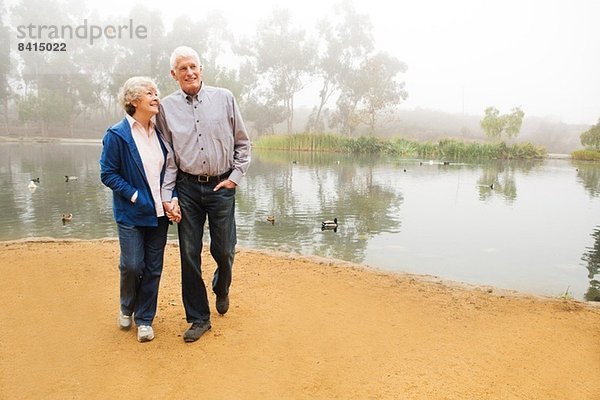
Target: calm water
x: 537, y: 230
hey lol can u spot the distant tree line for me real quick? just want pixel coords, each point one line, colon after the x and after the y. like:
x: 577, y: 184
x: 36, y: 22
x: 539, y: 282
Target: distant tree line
x: 265, y: 70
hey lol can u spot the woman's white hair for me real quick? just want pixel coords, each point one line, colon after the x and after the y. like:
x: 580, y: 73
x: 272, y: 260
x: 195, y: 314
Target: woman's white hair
x: 184, y: 51
x: 132, y: 90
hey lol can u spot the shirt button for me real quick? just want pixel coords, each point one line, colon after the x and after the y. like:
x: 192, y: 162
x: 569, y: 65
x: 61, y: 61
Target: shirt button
x: 201, y: 148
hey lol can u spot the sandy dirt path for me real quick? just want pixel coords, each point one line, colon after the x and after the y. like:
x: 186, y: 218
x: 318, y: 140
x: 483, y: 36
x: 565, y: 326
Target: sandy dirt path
x: 297, y: 329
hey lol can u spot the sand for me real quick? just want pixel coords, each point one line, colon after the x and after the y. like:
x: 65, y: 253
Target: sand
x: 298, y: 328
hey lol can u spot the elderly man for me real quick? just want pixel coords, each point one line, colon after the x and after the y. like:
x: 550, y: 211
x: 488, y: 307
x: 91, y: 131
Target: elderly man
x: 204, y: 126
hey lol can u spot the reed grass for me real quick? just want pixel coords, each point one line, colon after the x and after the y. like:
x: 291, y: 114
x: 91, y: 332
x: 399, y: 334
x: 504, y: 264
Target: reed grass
x: 586, y: 155
x: 304, y: 142
x: 446, y: 149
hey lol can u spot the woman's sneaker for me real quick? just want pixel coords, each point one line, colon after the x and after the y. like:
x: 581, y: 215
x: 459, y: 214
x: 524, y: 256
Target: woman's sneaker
x: 124, y: 321
x: 145, y: 333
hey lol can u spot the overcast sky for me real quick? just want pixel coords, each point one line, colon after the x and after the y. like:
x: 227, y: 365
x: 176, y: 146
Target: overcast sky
x: 462, y: 55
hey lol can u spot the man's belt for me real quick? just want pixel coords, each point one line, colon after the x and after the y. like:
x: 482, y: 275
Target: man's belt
x: 206, y: 178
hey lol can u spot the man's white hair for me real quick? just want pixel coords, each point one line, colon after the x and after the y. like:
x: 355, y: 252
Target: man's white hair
x: 184, y: 51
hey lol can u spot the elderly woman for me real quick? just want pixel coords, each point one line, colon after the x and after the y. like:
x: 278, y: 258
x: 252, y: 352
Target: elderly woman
x: 132, y: 164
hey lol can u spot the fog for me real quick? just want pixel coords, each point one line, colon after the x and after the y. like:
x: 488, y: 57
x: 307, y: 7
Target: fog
x: 455, y: 59
x: 462, y: 55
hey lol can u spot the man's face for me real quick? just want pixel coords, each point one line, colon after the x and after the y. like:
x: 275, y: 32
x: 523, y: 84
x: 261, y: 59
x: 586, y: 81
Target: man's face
x: 188, y: 74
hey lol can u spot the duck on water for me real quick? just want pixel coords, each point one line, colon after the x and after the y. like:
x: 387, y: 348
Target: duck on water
x: 330, y: 225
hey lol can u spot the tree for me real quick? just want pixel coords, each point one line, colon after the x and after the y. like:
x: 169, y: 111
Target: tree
x: 148, y: 57
x: 212, y: 39
x: 283, y: 57
x: 382, y: 91
x: 46, y: 107
x: 514, y: 120
x: 4, y: 65
x: 58, y: 84
x: 591, y: 138
x: 264, y: 112
x: 345, y: 42
x: 367, y: 91
x: 255, y: 96
x: 494, y: 123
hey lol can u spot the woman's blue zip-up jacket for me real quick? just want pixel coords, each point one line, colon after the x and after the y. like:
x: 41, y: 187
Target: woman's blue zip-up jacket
x: 121, y: 169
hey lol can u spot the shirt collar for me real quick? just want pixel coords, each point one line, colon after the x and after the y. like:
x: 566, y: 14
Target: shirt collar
x: 132, y: 121
x: 196, y: 97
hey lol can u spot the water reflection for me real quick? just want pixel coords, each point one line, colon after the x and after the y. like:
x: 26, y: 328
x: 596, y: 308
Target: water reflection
x: 498, y: 178
x: 301, y: 190
x: 592, y: 258
x: 589, y: 175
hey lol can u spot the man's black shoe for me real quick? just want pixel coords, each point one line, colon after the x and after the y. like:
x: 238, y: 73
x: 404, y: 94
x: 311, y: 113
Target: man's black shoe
x: 195, y: 331
x: 222, y: 304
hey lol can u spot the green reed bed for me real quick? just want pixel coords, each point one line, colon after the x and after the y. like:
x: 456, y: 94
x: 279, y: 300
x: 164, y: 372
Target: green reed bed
x: 447, y: 149
x: 303, y: 142
x: 586, y: 155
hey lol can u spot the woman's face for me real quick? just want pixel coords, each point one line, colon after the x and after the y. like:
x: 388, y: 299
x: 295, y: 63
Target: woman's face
x: 148, y: 101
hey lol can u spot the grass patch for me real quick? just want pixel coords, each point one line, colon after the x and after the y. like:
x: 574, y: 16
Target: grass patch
x: 446, y: 149
x: 586, y: 155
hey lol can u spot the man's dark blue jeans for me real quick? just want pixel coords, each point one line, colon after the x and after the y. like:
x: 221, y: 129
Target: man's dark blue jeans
x: 198, y: 201
x: 141, y: 264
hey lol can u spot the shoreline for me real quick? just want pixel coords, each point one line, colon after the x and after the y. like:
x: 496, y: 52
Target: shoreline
x: 10, y: 139
x: 325, y: 261
x: 39, y: 139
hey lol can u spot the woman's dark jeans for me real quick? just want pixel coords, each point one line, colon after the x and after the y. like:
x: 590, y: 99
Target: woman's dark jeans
x: 141, y: 264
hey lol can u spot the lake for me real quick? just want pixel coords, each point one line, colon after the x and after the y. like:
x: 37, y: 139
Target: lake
x: 531, y: 226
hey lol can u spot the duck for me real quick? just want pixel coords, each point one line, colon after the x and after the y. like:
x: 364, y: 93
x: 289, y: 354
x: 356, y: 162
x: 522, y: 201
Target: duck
x: 67, y: 218
x: 70, y: 178
x: 36, y: 180
x: 330, y: 225
x: 271, y: 219
x: 491, y: 185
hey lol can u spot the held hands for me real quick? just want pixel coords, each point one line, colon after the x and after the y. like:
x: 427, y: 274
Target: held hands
x: 172, y: 210
x: 227, y: 184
